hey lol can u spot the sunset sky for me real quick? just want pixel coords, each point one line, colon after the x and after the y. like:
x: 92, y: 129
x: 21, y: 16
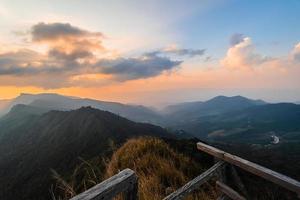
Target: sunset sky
x: 151, y: 51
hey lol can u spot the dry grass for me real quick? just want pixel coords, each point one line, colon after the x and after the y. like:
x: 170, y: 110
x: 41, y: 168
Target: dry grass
x: 84, y: 176
x: 160, y: 169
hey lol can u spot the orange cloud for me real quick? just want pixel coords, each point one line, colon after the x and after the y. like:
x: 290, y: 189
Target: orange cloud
x: 73, y: 52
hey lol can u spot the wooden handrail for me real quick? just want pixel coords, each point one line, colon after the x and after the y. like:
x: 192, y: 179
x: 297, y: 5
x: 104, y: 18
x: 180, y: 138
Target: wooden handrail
x: 195, y: 183
x: 270, y: 175
x: 125, y: 181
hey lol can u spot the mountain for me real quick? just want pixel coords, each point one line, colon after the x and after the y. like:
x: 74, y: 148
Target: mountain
x: 4, y: 103
x: 26, y: 99
x: 215, y: 106
x: 181, y: 107
x: 22, y: 110
x: 64, y: 103
x: 171, y: 114
x: 49, y: 132
x: 35, y: 142
x: 260, y: 124
x: 255, y: 124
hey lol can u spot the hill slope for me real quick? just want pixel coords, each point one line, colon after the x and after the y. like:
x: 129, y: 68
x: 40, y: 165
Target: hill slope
x: 55, y: 140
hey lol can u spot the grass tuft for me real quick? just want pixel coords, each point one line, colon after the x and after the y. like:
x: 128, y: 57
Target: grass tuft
x: 160, y: 169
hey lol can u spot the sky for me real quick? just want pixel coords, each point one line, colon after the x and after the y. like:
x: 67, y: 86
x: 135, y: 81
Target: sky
x: 151, y: 52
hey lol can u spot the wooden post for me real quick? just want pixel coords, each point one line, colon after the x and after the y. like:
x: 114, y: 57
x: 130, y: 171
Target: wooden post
x: 132, y: 193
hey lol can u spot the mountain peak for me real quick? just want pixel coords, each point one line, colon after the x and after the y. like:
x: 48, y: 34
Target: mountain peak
x: 222, y: 97
x: 235, y: 99
x: 89, y: 110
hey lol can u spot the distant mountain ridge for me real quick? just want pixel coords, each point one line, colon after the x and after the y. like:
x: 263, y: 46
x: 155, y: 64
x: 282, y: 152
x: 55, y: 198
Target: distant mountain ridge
x: 49, y: 101
x: 254, y: 124
x: 52, y: 101
x: 214, y: 106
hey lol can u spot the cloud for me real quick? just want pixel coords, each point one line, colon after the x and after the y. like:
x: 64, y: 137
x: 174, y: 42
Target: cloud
x: 136, y: 68
x: 296, y: 53
x: 174, y: 50
x: 242, y: 55
x: 236, y: 39
x: 65, y: 38
x: 71, y: 56
x: 63, y: 67
x: 207, y: 59
x: 185, y: 52
x: 55, y: 31
x: 28, y: 62
x: 74, y: 57
x: 19, y: 62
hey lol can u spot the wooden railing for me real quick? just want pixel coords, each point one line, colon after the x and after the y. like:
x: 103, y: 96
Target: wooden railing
x: 124, y: 182
x: 196, y: 182
x: 127, y: 182
x: 225, y: 161
x: 258, y: 170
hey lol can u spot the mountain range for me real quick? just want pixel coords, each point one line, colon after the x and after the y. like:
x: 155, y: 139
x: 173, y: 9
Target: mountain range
x: 213, y: 106
x: 216, y: 118
x: 221, y: 104
x: 48, y: 101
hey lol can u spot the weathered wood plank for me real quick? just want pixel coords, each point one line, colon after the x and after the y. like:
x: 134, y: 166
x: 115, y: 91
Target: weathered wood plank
x: 270, y: 175
x: 228, y: 191
x: 106, y: 190
x: 195, y: 183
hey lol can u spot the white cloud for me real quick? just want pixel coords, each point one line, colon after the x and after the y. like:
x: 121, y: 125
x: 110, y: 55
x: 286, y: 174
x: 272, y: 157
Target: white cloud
x: 242, y: 55
x: 296, y: 53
